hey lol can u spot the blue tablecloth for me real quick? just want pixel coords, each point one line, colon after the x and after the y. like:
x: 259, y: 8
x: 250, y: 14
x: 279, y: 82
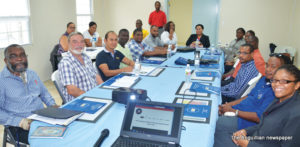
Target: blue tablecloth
x: 161, y: 88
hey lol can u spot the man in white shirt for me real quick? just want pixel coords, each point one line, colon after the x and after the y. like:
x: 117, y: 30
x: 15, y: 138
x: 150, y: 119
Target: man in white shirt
x: 91, y: 37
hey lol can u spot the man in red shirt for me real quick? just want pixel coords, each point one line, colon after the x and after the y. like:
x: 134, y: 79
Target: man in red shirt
x: 158, y: 18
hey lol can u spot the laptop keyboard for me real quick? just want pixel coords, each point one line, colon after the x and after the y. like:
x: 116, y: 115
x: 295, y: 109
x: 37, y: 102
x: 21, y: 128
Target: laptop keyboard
x: 126, y: 142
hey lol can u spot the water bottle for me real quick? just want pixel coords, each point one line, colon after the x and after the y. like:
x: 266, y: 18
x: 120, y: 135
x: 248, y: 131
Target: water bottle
x: 137, y: 67
x: 197, y: 60
x: 169, y: 51
x: 188, y: 74
x: 212, y: 49
x: 94, y: 39
x: 197, y: 44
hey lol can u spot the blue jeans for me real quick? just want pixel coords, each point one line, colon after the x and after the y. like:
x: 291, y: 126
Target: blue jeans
x: 225, y: 127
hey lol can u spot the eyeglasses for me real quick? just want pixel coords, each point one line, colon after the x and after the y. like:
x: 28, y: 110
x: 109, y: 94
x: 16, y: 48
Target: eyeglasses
x: 13, y: 57
x: 242, y: 53
x: 281, y: 81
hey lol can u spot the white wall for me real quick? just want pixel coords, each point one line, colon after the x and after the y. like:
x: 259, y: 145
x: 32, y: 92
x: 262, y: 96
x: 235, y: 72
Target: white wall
x: 117, y: 14
x: 270, y: 19
x: 48, y: 22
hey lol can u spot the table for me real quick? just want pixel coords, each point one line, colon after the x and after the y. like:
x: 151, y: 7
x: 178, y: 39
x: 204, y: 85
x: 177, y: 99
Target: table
x: 161, y: 88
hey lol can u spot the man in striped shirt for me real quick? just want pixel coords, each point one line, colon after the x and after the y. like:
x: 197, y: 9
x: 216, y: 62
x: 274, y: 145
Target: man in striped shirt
x: 247, y: 72
x: 21, y: 92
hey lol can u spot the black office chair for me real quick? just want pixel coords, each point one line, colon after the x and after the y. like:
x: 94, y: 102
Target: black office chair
x: 272, y: 47
x: 9, y: 138
x: 55, y: 57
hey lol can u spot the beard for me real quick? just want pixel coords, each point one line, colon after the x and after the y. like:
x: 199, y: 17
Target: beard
x: 75, y: 51
x: 18, y: 67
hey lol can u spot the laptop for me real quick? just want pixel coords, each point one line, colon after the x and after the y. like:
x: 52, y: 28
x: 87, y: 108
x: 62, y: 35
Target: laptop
x: 154, y: 124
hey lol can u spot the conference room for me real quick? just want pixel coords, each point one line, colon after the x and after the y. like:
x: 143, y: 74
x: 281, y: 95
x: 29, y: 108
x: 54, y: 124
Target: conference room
x: 47, y: 44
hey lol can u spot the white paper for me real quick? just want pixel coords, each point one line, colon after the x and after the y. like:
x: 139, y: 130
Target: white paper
x: 156, y: 59
x: 145, y: 70
x: 125, y: 81
x: 93, y: 54
x: 53, y: 121
x: 156, y: 72
x: 194, y: 77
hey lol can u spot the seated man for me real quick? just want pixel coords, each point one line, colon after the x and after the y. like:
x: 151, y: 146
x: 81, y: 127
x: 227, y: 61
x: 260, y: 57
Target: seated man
x: 139, y: 25
x: 21, y: 92
x: 258, y: 59
x: 122, y: 47
x: 247, y: 72
x: 76, y: 70
x: 248, y: 109
x: 153, y: 39
x: 139, y: 48
x: 91, y: 37
x: 108, y: 60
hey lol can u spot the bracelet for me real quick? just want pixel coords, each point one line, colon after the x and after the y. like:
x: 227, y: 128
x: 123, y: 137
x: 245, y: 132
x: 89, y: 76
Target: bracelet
x: 236, y: 112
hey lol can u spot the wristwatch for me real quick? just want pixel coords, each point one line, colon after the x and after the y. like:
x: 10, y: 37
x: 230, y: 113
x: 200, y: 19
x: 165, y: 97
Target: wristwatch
x: 236, y: 112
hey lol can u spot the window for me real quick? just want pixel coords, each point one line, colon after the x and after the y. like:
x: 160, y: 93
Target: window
x: 84, y: 10
x: 14, y: 22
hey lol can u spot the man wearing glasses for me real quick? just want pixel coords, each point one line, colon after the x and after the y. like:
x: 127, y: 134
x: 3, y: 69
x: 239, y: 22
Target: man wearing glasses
x: 247, y: 72
x: 21, y: 92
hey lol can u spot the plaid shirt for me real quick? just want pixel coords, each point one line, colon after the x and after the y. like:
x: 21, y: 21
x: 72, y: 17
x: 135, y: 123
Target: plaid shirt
x: 138, y: 49
x: 247, y: 72
x: 72, y: 72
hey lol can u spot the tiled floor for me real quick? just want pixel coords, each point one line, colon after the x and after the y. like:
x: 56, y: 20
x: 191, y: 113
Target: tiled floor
x: 52, y: 89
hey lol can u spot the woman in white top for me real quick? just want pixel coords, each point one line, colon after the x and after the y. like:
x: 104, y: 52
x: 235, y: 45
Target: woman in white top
x: 91, y: 37
x: 169, y: 35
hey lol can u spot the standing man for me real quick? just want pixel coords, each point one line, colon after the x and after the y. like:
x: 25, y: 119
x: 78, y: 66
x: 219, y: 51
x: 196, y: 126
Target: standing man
x: 158, y: 18
x: 122, y: 45
x: 76, y: 70
x: 108, y: 60
x: 91, y: 36
x: 21, y: 92
x: 139, y: 25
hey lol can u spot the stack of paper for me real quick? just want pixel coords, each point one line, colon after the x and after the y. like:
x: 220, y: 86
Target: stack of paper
x: 125, y: 81
x: 54, y: 121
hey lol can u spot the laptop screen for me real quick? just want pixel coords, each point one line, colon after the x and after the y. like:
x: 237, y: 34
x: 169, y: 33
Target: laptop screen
x: 153, y: 119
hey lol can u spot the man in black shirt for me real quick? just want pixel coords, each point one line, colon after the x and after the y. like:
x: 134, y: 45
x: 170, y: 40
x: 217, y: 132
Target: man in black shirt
x: 108, y: 60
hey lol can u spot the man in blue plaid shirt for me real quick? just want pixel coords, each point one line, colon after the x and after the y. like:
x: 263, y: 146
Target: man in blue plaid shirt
x: 76, y: 70
x: 247, y: 72
x: 139, y: 48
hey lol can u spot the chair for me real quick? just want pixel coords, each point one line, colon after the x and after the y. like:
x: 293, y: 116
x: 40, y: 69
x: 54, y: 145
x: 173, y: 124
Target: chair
x: 55, y: 57
x: 272, y: 47
x: 56, y: 80
x: 9, y: 138
x: 251, y: 84
x: 287, y: 49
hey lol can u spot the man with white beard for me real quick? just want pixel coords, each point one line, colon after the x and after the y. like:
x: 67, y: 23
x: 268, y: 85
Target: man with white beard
x: 76, y: 70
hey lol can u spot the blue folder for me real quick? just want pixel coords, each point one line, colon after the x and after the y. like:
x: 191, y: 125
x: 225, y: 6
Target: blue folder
x: 152, y: 61
x: 206, y: 74
x: 200, y: 88
x: 84, y: 106
x: 202, y: 111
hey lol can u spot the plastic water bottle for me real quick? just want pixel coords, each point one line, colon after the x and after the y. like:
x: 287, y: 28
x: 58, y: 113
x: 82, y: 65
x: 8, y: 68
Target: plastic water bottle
x: 197, y: 44
x: 169, y: 51
x: 137, y: 67
x: 212, y: 49
x: 197, y: 62
x: 188, y: 74
x: 94, y: 39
